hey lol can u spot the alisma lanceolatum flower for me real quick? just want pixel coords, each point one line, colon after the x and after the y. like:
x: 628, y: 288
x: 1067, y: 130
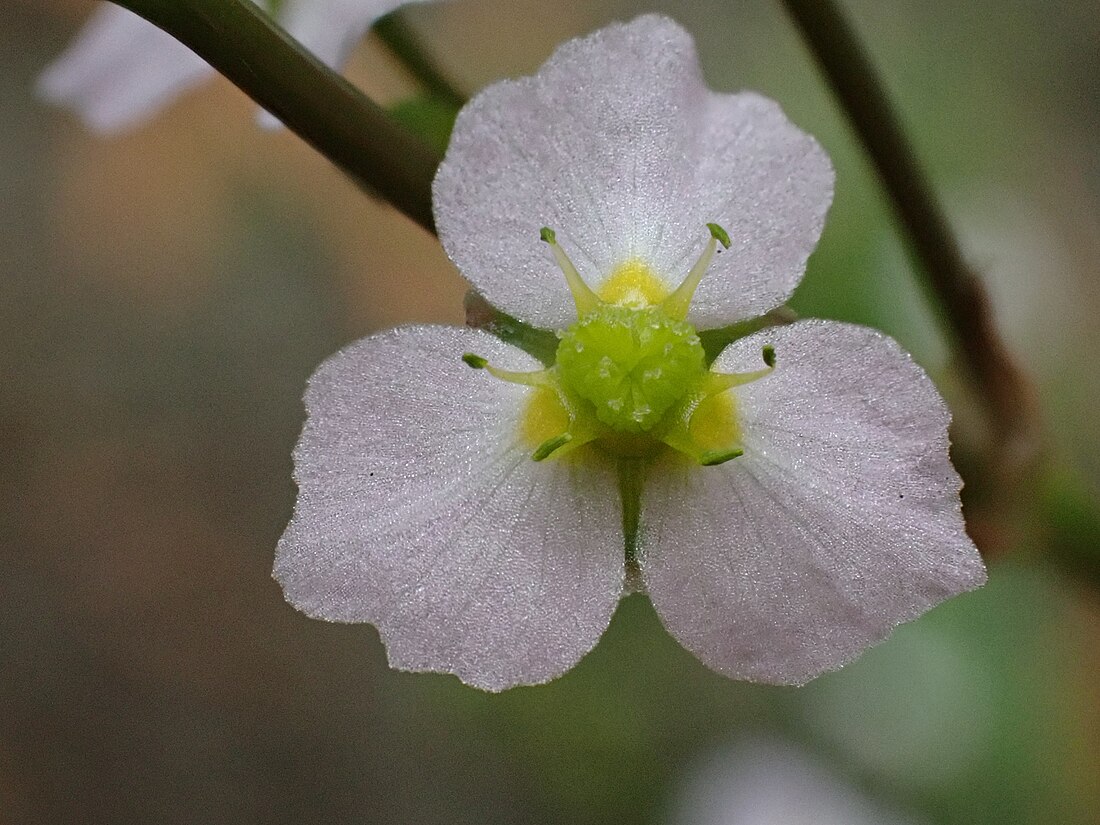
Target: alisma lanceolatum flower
x: 120, y: 70
x: 797, y: 501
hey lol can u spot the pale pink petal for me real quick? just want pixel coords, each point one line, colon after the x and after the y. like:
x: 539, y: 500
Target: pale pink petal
x: 840, y: 521
x: 420, y: 511
x: 618, y: 145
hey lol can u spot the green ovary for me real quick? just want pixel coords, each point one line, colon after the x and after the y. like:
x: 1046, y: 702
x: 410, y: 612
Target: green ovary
x: 632, y: 365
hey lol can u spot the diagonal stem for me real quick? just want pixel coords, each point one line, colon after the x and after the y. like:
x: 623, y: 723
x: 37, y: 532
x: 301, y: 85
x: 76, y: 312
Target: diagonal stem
x: 245, y: 45
x: 1005, y: 393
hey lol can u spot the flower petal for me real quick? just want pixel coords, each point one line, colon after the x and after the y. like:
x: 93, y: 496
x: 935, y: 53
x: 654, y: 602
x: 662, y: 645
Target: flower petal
x: 120, y: 70
x: 840, y: 521
x: 332, y: 28
x: 618, y: 146
x: 421, y: 511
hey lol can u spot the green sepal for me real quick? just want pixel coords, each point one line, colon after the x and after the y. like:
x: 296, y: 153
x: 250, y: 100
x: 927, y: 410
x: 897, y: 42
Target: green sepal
x: 538, y: 343
x: 716, y: 340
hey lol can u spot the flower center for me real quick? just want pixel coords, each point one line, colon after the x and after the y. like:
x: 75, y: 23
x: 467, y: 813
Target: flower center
x: 632, y: 365
x: 634, y: 285
x: 630, y: 373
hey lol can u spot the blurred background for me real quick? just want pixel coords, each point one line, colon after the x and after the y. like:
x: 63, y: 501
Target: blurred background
x: 165, y: 294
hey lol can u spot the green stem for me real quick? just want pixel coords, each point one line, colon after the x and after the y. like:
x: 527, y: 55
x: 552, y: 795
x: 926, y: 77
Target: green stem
x: 539, y: 343
x: 1008, y: 400
x: 406, y: 46
x: 631, y: 478
x: 245, y: 45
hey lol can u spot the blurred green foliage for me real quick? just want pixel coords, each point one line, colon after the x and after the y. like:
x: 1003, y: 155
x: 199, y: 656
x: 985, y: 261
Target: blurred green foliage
x: 430, y: 117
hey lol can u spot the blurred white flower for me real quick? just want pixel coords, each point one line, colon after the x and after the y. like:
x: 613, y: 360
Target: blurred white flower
x: 798, y: 501
x: 121, y: 70
x: 770, y: 782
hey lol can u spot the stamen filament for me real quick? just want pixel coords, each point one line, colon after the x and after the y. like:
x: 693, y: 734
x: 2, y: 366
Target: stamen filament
x: 551, y: 445
x: 717, y: 382
x: 576, y: 436
x: 680, y: 436
x: 712, y: 458
x: 585, y: 299
x: 681, y: 441
x: 538, y: 378
x: 678, y: 303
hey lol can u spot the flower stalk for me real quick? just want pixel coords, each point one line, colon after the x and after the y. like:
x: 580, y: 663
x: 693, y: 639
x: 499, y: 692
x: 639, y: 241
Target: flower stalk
x: 631, y: 472
x: 319, y: 105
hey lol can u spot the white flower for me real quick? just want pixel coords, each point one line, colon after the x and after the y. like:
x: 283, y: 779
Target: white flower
x: 121, y: 70
x: 761, y: 781
x: 790, y: 517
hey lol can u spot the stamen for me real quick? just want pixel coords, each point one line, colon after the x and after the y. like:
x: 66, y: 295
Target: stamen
x: 678, y: 303
x: 550, y: 445
x: 680, y: 440
x: 585, y: 299
x: 712, y: 458
x: 701, y: 445
x: 719, y: 234
x: 717, y: 382
x: 538, y: 378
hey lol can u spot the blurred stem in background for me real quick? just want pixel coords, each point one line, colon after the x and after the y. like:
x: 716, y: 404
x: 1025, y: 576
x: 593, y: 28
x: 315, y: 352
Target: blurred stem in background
x: 1016, y: 496
x: 403, y: 42
x: 1008, y: 400
x: 252, y: 51
x: 958, y: 292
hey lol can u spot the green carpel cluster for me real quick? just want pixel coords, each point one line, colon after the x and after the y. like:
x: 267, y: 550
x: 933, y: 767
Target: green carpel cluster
x: 631, y: 377
x: 632, y: 365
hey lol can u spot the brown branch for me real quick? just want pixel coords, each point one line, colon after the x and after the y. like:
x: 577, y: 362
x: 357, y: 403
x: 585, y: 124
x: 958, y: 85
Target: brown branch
x: 1006, y: 395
